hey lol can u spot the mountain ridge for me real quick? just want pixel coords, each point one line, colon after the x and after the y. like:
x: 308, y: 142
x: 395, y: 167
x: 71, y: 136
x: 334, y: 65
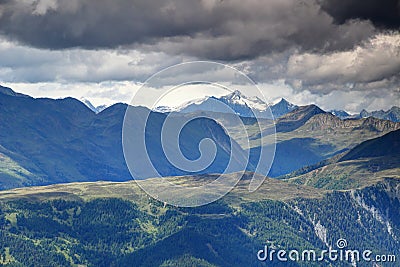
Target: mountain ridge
x: 62, y: 140
x: 96, y: 109
x: 367, y: 163
x: 393, y: 114
x: 240, y: 104
x: 386, y: 145
x: 10, y: 92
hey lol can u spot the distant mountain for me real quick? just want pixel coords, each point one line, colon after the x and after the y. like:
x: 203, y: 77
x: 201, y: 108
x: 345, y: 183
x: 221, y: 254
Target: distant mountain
x: 340, y: 114
x: 392, y: 114
x: 297, y: 118
x: 10, y: 92
x: 237, y: 102
x: 325, y: 123
x: 296, y: 151
x: 97, y: 109
x: 47, y: 141
x: 282, y: 108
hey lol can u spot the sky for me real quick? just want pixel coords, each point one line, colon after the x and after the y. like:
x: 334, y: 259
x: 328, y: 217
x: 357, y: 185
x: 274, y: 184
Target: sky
x: 333, y: 53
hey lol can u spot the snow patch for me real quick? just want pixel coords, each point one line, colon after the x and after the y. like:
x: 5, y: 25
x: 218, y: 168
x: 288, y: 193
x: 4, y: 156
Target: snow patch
x: 376, y: 214
x: 321, y: 232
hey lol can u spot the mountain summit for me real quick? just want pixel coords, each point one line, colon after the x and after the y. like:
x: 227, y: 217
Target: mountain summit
x: 240, y: 104
x: 342, y: 114
x: 282, y: 107
x: 97, y: 109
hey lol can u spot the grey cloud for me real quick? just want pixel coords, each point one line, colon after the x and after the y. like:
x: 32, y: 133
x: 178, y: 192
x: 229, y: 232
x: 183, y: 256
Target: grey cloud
x: 383, y: 14
x: 58, y: 24
x: 212, y: 29
x: 24, y: 64
x: 371, y: 65
x: 374, y: 63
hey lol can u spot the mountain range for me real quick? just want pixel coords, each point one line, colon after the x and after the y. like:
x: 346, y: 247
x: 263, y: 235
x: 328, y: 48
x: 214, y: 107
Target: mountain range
x: 45, y: 141
x: 237, y: 102
x: 392, y: 114
x: 254, y: 106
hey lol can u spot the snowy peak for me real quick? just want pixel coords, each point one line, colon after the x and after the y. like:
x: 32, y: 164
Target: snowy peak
x: 236, y: 95
x: 97, y: 109
x: 242, y: 105
x: 283, y: 101
x: 282, y: 107
x: 340, y: 114
x: 164, y: 109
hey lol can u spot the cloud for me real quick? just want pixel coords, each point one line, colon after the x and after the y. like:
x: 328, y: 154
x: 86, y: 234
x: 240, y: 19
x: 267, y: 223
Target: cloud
x: 209, y: 29
x: 376, y: 62
x: 383, y: 14
x: 371, y: 65
x: 25, y: 64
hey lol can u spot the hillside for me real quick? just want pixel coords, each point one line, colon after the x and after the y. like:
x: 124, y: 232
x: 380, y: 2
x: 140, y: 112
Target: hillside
x: 317, y: 138
x: 387, y: 145
x: 115, y: 224
x: 340, y: 134
x: 365, y: 164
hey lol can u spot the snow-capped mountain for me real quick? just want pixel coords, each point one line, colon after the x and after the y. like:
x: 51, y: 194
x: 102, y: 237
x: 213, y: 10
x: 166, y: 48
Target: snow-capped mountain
x: 240, y: 104
x: 340, y: 114
x: 282, y: 107
x: 236, y: 101
x: 97, y: 109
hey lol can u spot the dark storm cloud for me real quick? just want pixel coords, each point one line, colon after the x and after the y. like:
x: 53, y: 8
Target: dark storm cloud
x: 213, y: 29
x: 383, y: 14
x: 95, y: 23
